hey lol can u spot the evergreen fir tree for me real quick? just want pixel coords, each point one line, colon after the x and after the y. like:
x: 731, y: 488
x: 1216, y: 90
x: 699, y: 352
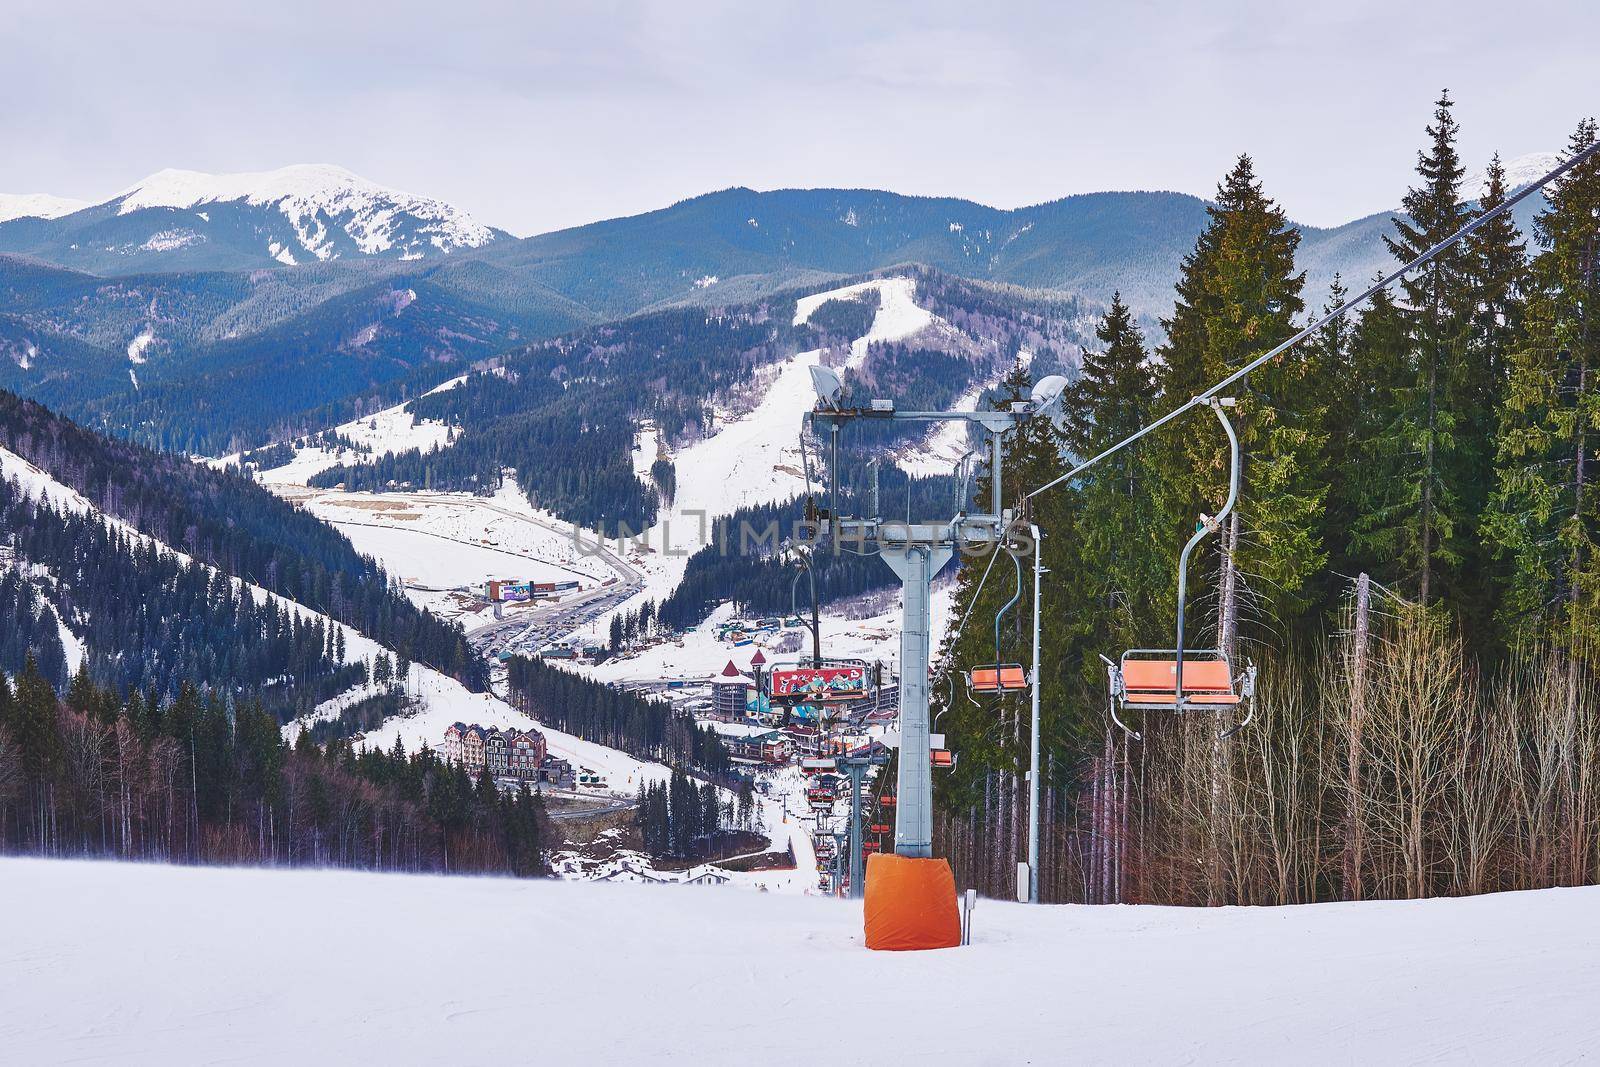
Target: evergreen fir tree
x: 1545, y: 515
x: 37, y: 730
x: 1420, y: 516
x: 1497, y: 268
x: 1238, y: 295
x: 1115, y: 394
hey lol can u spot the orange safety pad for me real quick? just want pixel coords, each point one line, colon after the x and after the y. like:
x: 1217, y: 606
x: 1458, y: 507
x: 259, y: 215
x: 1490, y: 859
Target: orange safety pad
x: 1145, y: 675
x: 911, y: 903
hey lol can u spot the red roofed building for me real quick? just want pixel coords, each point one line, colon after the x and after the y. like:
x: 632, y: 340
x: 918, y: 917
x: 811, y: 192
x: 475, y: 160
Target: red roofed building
x: 730, y: 690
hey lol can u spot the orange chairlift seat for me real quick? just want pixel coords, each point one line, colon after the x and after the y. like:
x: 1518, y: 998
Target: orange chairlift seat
x: 1173, y: 679
x: 1152, y: 684
x: 997, y: 678
x: 942, y: 759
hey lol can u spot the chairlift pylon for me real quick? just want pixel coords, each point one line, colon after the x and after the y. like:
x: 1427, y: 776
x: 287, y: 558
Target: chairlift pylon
x: 1162, y: 679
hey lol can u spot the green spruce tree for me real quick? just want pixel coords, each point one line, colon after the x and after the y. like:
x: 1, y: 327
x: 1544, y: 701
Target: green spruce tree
x: 1418, y: 517
x: 1544, y: 518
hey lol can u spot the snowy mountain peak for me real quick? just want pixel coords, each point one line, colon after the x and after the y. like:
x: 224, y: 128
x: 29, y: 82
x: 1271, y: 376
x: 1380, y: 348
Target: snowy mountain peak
x: 1519, y: 172
x: 322, y: 204
x: 37, y: 206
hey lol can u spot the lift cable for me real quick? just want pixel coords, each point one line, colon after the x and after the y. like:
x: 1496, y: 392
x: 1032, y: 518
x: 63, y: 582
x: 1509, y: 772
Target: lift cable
x: 1337, y: 313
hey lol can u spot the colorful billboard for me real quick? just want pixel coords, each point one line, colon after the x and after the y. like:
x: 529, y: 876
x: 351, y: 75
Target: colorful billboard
x: 815, y: 685
x: 510, y: 591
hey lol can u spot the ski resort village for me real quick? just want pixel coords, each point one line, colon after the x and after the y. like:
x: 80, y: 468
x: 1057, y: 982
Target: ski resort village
x: 681, y: 586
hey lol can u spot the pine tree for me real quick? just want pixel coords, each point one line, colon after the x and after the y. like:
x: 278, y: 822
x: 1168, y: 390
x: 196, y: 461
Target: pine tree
x: 1497, y: 271
x: 37, y: 731
x: 1545, y: 515
x: 1420, y: 517
x: 1238, y: 295
x: 1115, y: 394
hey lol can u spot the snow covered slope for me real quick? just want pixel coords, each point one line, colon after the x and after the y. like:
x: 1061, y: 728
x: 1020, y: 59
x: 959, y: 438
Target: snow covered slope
x: 182, y: 220
x: 37, y: 206
x: 899, y: 316
x: 140, y: 963
x: 319, y: 201
x: 382, y: 433
x: 1519, y: 172
x: 440, y: 698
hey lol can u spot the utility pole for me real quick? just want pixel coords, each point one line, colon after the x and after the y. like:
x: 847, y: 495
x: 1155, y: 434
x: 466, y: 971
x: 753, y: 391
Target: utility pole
x: 1033, y: 755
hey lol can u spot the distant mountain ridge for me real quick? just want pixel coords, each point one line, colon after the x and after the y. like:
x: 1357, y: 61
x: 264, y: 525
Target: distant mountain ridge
x: 179, y: 323
x: 188, y: 220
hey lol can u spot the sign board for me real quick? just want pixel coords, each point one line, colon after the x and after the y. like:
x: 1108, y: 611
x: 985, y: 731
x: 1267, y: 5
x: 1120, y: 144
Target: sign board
x: 819, y: 684
x: 504, y: 591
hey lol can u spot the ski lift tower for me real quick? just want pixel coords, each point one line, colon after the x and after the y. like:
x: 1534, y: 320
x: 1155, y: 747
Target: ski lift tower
x: 916, y: 551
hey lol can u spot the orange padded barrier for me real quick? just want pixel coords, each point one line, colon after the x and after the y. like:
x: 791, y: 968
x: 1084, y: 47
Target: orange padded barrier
x: 911, y: 903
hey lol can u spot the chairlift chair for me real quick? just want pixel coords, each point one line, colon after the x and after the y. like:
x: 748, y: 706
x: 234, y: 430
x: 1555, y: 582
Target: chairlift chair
x: 997, y: 677
x: 942, y: 759
x: 1176, y: 679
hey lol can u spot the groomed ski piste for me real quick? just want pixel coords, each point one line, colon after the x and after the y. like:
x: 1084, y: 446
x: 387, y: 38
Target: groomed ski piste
x: 131, y: 964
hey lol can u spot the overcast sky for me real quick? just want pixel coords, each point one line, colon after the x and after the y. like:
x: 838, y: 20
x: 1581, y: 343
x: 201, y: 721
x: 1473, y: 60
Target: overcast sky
x: 535, y: 116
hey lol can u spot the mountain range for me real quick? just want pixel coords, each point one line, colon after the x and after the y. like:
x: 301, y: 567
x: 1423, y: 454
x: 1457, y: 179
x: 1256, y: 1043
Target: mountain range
x: 155, y: 313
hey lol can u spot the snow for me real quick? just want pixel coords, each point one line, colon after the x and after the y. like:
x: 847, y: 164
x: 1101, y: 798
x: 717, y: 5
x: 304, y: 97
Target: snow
x: 944, y: 446
x: 1519, y: 172
x: 702, y: 655
x: 138, y: 346
x: 416, y: 544
x: 706, y: 281
x: 646, y: 451
x: 310, y: 196
x: 383, y: 432
x: 280, y: 966
x: 37, y: 206
x: 898, y: 317
x: 71, y: 644
x: 440, y: 696
x: 170, y: 240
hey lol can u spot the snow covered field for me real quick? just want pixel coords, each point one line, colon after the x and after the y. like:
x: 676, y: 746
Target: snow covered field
x: 876, y: 638
x: 129, y: 963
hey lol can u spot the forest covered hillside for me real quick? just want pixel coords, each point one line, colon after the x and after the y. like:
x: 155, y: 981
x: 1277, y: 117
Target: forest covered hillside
x: 1413, y: 568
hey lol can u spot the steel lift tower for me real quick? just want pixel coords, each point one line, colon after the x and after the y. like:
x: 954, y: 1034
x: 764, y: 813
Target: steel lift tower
x: 916, y: 551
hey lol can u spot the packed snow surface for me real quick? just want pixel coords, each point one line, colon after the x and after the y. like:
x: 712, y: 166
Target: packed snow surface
x: 37, y: 206
x: 898, y: 317
x: 142, y: 963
